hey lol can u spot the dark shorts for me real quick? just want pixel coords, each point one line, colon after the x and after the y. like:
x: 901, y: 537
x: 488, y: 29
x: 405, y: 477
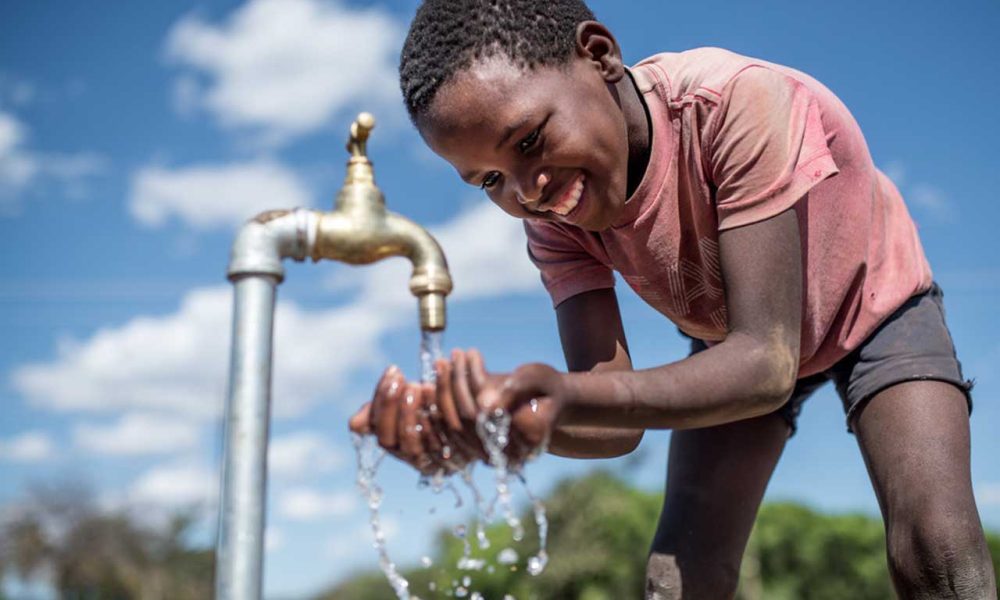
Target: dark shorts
x: 912, y: 344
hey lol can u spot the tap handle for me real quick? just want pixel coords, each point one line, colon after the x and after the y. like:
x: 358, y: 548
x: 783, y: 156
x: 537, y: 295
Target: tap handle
x: 360, y: 130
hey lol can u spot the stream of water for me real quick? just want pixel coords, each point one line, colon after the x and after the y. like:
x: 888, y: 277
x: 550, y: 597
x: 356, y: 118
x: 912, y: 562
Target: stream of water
x: 494, y: 431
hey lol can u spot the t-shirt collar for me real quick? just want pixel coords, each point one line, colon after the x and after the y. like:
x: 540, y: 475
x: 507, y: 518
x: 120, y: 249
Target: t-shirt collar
x: 650, y: 86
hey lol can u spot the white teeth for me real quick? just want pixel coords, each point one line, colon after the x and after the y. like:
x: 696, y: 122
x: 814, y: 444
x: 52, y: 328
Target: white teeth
x: 570, y: 199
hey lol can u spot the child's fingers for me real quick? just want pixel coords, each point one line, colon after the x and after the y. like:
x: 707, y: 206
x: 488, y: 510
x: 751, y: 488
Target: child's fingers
x: 445, y: 399
x: 429, y: 436
x: 360, y: 423
x: 477, y: 371
x: 410, y: 443
x: 380, y: 388
x: 385, y: 408
x: 460, y: 386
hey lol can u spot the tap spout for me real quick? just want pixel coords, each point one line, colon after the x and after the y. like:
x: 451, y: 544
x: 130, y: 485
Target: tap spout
x: 370, y: 234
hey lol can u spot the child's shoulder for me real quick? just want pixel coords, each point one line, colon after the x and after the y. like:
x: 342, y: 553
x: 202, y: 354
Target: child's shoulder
x: 697, y: 70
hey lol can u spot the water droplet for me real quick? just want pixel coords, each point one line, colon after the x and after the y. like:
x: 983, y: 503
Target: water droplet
x: 471, y: 564
x: 536, y: 564
x: 426, y: 561
x: 507, y: 556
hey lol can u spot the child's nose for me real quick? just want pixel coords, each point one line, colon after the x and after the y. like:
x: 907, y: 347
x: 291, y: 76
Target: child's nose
x: 531, y: 191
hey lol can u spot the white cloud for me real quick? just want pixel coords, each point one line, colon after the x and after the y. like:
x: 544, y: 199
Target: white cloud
x: 17, y: 167
x: 988, y: 494
x: 138, y: 433
x: 204, y: 197
x: 933, y: 201
x: 21, y: 167
x: 928, y: 200
x: 302, y: 453
x: 28, y: 447
x: 178, y: 363
x: 175, y: 486
x: 284, y: 68
x: 487, y: 255
x: 306, y: 504
x: 896, y: 171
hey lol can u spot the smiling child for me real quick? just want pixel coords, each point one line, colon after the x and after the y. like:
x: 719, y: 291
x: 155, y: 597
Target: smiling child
x: 736, y: 197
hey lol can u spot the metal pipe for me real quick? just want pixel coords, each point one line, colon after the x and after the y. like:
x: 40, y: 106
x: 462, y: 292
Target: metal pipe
x: 244, y: 475
x: 255, y: 269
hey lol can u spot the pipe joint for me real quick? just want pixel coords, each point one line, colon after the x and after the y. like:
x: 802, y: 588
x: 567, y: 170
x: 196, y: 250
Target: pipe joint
x: 268, y: 238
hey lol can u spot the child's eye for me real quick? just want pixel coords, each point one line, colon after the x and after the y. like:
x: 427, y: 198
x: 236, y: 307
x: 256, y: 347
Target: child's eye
x: 490, y: 180
x: 527, y: 143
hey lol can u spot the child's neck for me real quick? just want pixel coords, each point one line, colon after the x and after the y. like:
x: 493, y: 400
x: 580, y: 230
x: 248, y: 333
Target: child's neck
x: 638, y: 127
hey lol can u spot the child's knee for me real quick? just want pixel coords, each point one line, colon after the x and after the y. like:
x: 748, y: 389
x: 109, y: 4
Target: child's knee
x: 669, y: 577
x: 939, y: 554
x: 663, y: 577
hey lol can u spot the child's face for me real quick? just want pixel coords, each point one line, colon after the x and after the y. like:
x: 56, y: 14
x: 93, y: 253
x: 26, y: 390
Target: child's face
x: 546, y: 143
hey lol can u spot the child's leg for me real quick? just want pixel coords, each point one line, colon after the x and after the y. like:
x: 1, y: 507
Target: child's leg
x: 715, y: 481
x: 915, y: 440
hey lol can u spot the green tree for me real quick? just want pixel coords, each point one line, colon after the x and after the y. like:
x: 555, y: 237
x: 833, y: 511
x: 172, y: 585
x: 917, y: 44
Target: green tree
x: 100, y: 555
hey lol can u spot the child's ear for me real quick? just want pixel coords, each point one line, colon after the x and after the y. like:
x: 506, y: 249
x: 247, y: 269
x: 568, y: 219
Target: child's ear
x: 595, y: 43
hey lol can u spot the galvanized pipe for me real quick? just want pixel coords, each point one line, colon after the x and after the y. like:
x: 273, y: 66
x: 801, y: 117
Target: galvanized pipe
x: 255, y: 270
x: 244, y: 473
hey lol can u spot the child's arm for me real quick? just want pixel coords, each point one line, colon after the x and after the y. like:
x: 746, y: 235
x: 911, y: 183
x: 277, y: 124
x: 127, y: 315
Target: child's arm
x: 593, y: 340
x: 751, y: 373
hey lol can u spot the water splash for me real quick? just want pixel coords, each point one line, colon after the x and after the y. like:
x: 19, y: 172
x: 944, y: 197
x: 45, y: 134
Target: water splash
x: 494, y: 431
x: 537, y: 563
x: 369, y: 456
x: 507, y: 556
x: 477, y: 499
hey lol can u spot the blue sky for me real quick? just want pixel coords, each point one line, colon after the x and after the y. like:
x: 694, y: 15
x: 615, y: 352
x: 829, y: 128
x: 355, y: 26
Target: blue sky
x: 135, y: 138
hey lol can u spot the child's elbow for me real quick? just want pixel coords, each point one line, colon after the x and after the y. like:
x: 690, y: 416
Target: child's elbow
x: 777, y: 366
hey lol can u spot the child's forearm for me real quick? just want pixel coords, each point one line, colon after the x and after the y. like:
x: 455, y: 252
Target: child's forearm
x: 581, y: 441
x: 740, y: 378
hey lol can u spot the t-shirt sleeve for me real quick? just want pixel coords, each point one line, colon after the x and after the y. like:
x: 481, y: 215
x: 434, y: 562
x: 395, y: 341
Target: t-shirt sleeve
x: 566, y: 267
x: 766, y: 148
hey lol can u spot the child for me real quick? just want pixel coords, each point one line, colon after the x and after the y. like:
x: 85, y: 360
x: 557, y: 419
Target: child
x: 737, y: 197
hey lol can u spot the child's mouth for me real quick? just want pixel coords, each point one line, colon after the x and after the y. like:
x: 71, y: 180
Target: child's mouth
x: 569, y: 200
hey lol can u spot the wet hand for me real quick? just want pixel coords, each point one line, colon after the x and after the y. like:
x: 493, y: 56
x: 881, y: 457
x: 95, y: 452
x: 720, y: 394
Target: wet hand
x: 405, y: 419
x: 534, y: 395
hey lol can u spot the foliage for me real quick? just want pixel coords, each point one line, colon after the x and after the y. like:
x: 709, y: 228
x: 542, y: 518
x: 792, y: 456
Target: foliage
x: 804, y: 555
x: 86, y: 552
x: 600, y: 529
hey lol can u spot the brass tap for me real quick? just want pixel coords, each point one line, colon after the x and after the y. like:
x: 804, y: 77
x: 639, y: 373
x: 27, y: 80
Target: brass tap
x: 361, y: 231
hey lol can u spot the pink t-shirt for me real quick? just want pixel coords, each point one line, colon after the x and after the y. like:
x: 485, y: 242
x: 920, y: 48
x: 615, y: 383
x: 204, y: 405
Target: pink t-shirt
x: 736, y: 141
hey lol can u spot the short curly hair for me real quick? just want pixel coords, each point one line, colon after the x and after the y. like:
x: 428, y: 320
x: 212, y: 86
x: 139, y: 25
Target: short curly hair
x: 446, y: 36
